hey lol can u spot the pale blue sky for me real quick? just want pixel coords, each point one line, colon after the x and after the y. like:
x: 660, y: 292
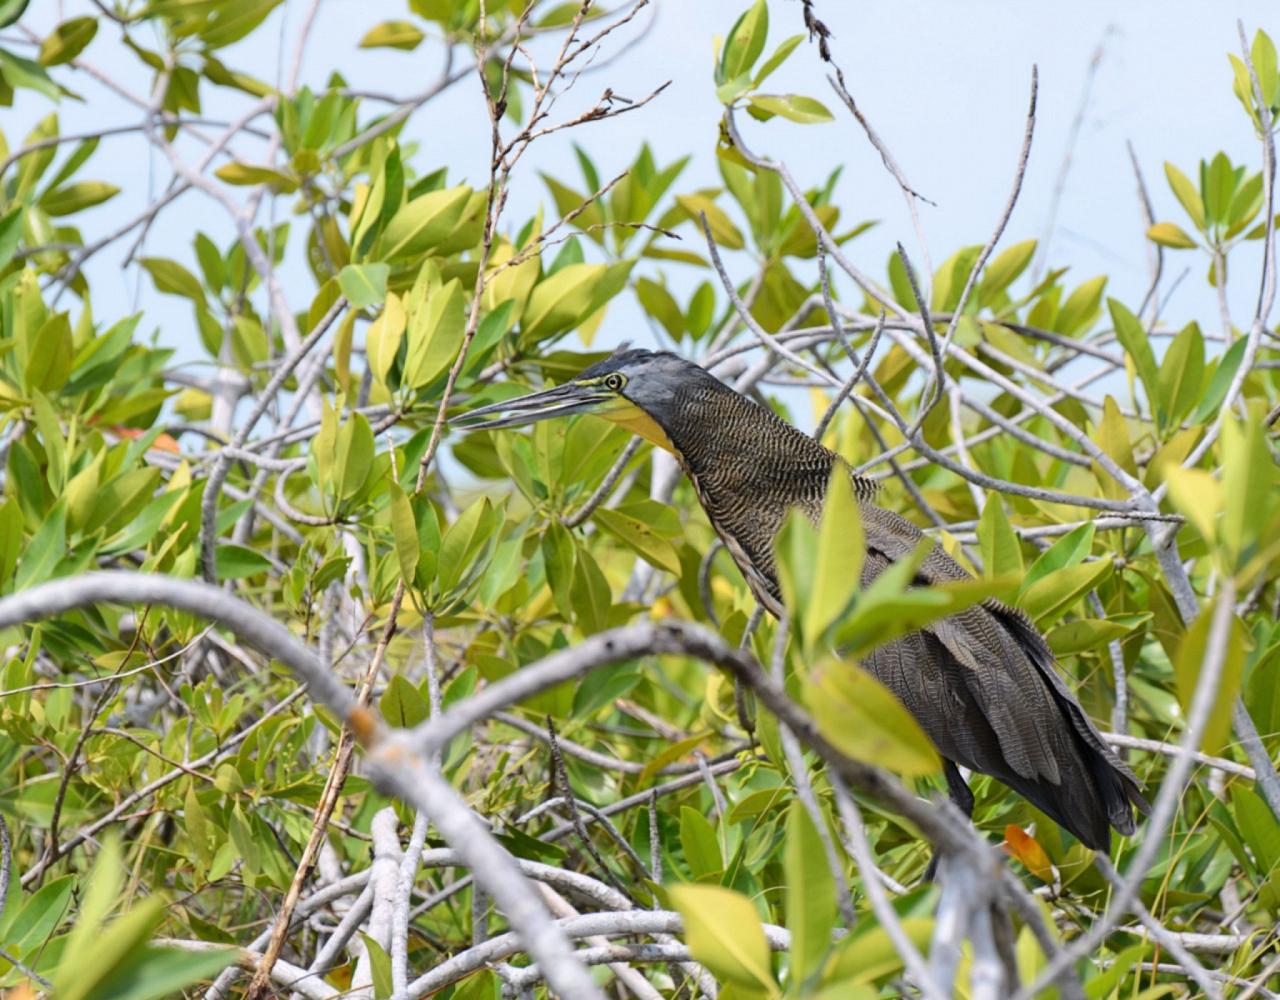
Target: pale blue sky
x: 945, y: 83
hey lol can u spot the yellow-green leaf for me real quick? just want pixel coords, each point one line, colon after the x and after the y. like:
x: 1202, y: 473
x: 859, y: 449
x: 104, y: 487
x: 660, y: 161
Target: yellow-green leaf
x: 565, y: 299
x: 76, y: 197
x: 435, y: 334
x: 1002, y: 271
x: 248, y: 174
x: 1187, y: 665
x: 1001, y: 551
x: 49, y: 361
x: 67, y: 40
x: 364, y: 285
x: 418, y: 227
x: 745, y: 41
x: 392, y: 35
x: 1169, y: 234
x: 810, y: 893
x: 838, y: 569
x: 1181, y: 374
x: 382, y: 341
x: 869, y: 954
x: 1248, y: 488
x: 174, y: 279
x: 640, y: 537
x: 355, y: 448
x: 724, y: 933
x: 1049, y: 597
x: 864, y: 719
x: 723, y: 231
x: 1186, y: 193
x: 404, y: 531
x: 794, y: 107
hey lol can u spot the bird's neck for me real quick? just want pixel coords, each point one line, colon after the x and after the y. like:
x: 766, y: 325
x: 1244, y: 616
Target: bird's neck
x: 728, y: 442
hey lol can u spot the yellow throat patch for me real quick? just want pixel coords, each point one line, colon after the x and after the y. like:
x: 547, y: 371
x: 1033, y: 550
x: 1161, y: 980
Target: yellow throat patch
x: 626, y: 414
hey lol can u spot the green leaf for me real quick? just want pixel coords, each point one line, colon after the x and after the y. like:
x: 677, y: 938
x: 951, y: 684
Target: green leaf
x: 49, y: 359
x: 1133, y: 338
x: 698, y: 840
x: 862, y: 718
x: 402, y: 704
x: 1169, y: 234
x: 869, y: 954
x: 810, y: 894
x: 780, y: 54
x: 1181, y: 373
x: 723, y: 231
x: 404, y: 531
x: 1197, y: 496
x: 67, y: 40
x: 102, y: 953
x: 422, y: 225
x: 235, y: 562
x: 1087, y: 633
x: 838, y: 569
x: 669, y: 755
x: 1220, y: 382
x: 379, y: 966
x: 235, y: 19
x: 1081, y: 308
x: 435, y: 334
x: 462, y: 539
x: 45, y: 549
x: 1217, y: 185
x: 383, y: 338
x: 211, y: 262
x: 172, y: 278
x: 152, y: 973
x: 893, y: 605
x: 745, y: 42
x: 11, y: 10
x: 1003, y: 270
x: 1051, y: 596
x: 1186, y: 194
x: 640, y: 537
x: 1070, y: 549
x: 1001, y: 551
x: 19, y: 72
x: 1258, y: 827
x: 246, y: 174
x: 364, y: 285
x: 77, y: 197
x: 1249, y: 488
x: 724, y: 933
x: 661, y: 305
x: 1187, y: 665
x: 354, y: 455
x: 794, y: 107
x: 10, y: 234
x: 563, y: 300
x: 35, y: 919
x: 1262, y: 53
x: 392, y: 35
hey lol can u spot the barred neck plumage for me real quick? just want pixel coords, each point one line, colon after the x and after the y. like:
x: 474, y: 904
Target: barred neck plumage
x: 714, y: 427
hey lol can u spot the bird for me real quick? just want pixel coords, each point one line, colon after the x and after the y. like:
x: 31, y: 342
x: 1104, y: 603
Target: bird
x: 983, y: 683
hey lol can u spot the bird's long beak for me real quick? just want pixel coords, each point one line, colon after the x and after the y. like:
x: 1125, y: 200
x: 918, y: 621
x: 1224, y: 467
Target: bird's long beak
x: 558, y: 402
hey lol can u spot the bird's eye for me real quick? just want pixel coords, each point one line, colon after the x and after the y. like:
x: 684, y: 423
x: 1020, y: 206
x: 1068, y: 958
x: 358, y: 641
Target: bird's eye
x: 614, y: 382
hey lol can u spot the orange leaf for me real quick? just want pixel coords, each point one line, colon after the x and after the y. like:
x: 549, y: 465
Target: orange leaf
x: 163, y: 442
x: 1021, y: 845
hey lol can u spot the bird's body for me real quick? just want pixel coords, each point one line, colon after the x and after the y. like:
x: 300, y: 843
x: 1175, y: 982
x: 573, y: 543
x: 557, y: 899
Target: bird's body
x: 983, y: 683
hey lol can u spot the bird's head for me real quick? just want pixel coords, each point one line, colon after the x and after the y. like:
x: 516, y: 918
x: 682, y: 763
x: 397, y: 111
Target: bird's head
x: 635, y: 388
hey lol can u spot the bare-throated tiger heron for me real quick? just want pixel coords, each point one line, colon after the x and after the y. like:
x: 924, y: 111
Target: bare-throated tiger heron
x: 983, y: 683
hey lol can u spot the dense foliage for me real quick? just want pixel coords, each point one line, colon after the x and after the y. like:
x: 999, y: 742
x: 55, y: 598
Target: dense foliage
x: 172, y: 797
